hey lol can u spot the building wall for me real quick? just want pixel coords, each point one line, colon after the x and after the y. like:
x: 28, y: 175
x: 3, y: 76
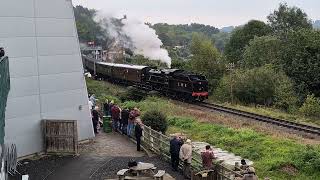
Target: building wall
x: 46, y: 71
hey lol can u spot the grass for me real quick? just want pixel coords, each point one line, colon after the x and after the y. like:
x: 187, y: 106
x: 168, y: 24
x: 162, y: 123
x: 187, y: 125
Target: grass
x: 274, y: 156
x: 104, y: 90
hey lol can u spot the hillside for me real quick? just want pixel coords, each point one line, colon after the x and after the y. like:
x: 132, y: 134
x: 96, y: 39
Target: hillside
x: 316, y: 24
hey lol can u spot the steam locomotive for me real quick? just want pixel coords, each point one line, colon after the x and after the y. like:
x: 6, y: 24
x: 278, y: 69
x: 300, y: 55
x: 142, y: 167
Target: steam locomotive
x: 174, y: 83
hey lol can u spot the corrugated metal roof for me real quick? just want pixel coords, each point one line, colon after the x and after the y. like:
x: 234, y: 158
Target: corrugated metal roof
x: 123, y: 65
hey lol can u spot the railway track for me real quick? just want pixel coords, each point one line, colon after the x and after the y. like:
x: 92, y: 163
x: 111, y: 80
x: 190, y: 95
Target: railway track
x: 279, y: 122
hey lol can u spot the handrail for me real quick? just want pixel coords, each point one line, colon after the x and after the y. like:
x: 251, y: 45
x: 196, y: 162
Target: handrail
x: 159, y: 144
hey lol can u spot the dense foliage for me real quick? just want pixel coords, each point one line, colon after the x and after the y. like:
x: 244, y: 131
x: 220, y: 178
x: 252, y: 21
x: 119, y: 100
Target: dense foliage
x: 287, y: 19
x: 300, y: 59
x: 241, y: 37
x: 311, y: 107
x: 260, y: 51
x: 262, y: 85
x: 88, y: 29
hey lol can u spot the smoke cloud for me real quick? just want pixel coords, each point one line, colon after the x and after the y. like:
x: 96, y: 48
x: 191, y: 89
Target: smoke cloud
x: 137, y: 36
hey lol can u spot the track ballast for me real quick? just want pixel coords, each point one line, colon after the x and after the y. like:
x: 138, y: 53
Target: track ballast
x: 279, y: 122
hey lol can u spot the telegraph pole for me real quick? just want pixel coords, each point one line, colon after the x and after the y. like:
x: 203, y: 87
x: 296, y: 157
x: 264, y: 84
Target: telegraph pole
x: 230, y: 67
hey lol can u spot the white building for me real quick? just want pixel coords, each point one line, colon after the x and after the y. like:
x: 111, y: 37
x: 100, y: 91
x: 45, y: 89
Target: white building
x: 47, y: 82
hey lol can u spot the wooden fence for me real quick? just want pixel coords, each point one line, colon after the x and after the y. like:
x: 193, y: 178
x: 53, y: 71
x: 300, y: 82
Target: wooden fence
x: 61, y: 136
x: 160, y: 144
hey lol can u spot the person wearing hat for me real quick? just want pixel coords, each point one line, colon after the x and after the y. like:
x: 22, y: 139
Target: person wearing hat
x: 185, y: 155
x: 244, y: 165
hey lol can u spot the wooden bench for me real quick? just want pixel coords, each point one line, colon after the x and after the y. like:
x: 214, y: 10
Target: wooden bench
x: 160, y: 174
x: 121, y: 174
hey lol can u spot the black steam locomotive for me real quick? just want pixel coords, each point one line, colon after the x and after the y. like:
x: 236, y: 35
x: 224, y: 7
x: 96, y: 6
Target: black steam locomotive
x: 171, y: 82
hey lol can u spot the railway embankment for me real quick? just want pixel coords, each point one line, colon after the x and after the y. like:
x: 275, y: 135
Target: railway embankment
x: 276, y: 153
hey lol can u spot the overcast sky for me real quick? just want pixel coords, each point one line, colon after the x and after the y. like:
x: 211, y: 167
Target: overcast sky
x: 218, y: 13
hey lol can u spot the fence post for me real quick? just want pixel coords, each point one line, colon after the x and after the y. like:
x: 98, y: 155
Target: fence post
x: 151, y: 139
x: 160, y: 143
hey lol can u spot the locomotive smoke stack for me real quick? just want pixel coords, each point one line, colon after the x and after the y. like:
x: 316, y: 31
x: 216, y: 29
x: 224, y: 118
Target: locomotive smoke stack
x: 137, y: 36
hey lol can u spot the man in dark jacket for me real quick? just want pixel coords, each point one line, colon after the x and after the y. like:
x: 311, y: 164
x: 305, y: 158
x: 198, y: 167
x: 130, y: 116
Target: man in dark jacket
x: 124, y: 120
x: 95, y: 118
x: 138, y: 132
x: 175, y: 145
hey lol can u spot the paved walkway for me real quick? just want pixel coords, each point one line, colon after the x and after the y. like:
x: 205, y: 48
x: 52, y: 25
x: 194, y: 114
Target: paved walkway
x: 103, y: 157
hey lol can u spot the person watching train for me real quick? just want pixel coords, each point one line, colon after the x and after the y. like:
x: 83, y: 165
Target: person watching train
x: 124, y: 120
x: 175, y: 145
x: 115, y: 116
x: 138, y: 132
x: 134, y: 113
x: 207, y: 157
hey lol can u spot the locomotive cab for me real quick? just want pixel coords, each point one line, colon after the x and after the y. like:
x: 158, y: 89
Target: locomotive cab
x: 199, y: 87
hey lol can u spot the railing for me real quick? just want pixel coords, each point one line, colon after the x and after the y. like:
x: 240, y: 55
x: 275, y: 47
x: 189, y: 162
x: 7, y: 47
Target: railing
x: 159, y: 144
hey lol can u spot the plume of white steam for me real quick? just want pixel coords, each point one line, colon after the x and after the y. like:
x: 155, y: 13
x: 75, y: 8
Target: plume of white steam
x: 137, y: 36
x: 145, y: 41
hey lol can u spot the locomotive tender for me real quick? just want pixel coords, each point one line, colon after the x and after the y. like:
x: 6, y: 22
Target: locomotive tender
x: 171, y: 82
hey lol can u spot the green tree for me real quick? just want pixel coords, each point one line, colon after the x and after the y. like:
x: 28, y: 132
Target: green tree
x: 220, y: 40
x: 88, y: 29
x: 262, y: 50
x: 286, y: 19
x: 300, y: 59
x: 285, y: 97
x: 206, y: 59
x: 241, y: 37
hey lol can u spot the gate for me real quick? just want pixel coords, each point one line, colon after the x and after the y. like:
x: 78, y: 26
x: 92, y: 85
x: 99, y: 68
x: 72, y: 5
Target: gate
x: 61, y: 136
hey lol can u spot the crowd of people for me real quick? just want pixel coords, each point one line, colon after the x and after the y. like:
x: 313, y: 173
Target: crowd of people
x: 125, y: 121
x: 181, y: 151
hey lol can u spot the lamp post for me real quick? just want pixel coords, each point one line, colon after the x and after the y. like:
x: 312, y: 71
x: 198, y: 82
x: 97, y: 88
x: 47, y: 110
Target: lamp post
x: 230, y: 67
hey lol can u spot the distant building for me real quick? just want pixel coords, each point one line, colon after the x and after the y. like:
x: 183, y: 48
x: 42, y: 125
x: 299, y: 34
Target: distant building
x: 46, y: 71
x: 115, y: 53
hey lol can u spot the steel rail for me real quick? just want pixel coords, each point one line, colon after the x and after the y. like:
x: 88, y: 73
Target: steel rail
x: 262, y: 118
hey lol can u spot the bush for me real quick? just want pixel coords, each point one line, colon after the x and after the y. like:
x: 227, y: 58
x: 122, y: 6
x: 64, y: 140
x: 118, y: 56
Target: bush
x: 311, y: 106
x: 156, y: 120
x: 285, y: 98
